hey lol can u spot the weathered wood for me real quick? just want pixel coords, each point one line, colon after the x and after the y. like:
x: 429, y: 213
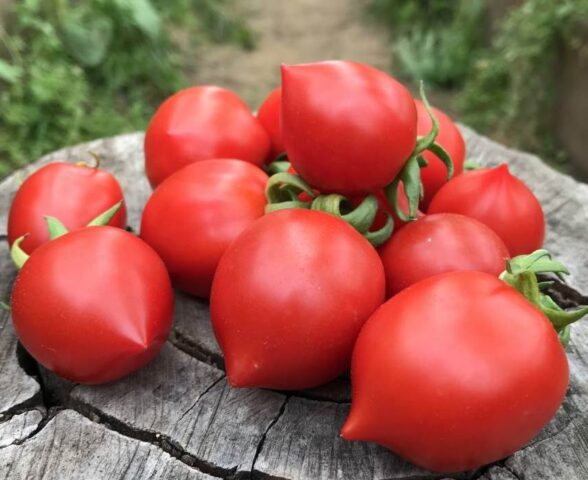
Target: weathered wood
x: 73, y: 447
x: 190, y: 404
x: 181, y: 403
x: 18, y: 427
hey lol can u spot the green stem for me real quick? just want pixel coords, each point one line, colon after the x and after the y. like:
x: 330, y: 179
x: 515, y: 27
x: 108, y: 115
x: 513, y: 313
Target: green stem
x: 18, y: 255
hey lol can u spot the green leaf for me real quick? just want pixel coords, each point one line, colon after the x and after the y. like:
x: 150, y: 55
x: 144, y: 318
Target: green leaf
x: 87, y: 43
x: 9, y: 73
x: 144, y: 16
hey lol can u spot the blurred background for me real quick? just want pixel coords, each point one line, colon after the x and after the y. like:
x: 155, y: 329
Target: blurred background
x: 70, y: 71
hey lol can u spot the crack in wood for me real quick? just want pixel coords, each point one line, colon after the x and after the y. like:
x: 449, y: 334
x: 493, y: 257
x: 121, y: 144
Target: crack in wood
x: 186, y: 345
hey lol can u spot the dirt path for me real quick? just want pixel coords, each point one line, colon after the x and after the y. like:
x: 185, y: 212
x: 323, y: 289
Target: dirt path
x: 292, y: 31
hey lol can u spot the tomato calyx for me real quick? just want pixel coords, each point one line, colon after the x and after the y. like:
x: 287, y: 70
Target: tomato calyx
x: 97, y: 161
x: 410, y: 174
x: 521, y: 274
x: 57, y: 229
x: 470, y: 165
x: 279, y: 164
x: 287, y: 190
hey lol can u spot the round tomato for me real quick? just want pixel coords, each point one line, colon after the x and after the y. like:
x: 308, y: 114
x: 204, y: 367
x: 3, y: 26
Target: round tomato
x: 73, y: 193
x: 195, y: 214
x: 348, y: 128
x: 289, y: 297
x: 93, y: 305
x: 500, y: 200
x: 270, y: 117
x: 200, y: 123
x: 434, y: 175
x: 440, y: 243
x: 456, y: 371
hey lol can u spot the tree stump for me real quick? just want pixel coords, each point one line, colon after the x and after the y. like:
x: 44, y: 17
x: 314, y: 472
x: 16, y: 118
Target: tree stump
x: 178, y: 418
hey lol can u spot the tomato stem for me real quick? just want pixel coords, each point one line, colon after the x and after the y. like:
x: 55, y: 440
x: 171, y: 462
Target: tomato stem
x: 521, y: 273
x: 410, y: 174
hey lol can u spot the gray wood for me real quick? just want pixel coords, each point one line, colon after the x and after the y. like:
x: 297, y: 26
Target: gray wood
x: 189, y: 403
x: 181, y: 404
x: 73, y: 447
x: 18, y: 427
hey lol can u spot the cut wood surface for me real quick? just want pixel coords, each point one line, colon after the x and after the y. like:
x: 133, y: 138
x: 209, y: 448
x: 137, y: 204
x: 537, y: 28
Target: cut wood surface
x: 178, y: 418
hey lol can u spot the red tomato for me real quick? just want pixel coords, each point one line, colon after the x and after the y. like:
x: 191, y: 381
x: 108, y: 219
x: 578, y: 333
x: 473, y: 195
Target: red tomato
x: 75, y: 194
x: 457, y: 371
x: 501, y: 201
x: 195, y: 214
x: 348, y: 128
x: 289, y: 297
x: 440, y: 243
x: 434, y: 175
x: 200, y: 123
x: 269, y: 115
x: 93, y: 305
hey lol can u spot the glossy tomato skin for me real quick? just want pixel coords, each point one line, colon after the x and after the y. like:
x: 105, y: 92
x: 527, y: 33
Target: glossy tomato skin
x: 289, y: 297
x: 501, y: 201
x: 269, y: 115
x: 200, y: 123
x: 434, y: 175
x: 74, y: 194
x: 440, y: 243
x: 197, y: 212
x: 93, y: 305
x: 348, y: 128
x: 456, y: 371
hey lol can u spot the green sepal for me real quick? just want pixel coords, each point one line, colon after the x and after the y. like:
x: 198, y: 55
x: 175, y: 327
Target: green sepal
x: 18, y: 255
x: 286, y: 187
x: 54, y: 227
x: 521, y: 273
x: 442, y: 154
x: 278, y: 166
x: 106, y: 216
x: 5, y: 306
x: 380, y: 236
x: 470, y: 165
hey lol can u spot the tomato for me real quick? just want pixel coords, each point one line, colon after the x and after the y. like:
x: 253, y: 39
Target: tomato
x: 440, y: 243
x: 93, y: 305
x: 200, y: 123
x: 197, y: 212
x: 348, y: 128
x: 289, y: 297
x: 269, y: 116
x: 75, y: 194
x: 454, y: 372
x: 434, y: 175
x: 501, y: 201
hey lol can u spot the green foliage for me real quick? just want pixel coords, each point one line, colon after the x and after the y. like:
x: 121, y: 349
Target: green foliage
x: 71, y: 71
x: 434, y: 41
x: 512, y: 87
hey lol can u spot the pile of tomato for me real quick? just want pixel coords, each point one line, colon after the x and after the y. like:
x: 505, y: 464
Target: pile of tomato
x: 335, y: 229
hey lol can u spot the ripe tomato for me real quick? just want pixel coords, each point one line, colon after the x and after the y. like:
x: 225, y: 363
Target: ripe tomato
x: 500, y: 200
x: 289, y: 297
x: 457, y: 371
x: 197, y: 212
x: 93, y: 305
x: 434, y: 175
x: 440, y: 243
x: 200, y: 123
x: 348, y: 128
x: 270, y: 117
x: 75, y: 194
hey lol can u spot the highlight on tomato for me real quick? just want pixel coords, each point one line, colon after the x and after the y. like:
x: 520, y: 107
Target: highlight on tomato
x: 289, y: 298
x: 498, y: 199
x: 440, y: 243
x: 106, y: 314
x: 197, y: 212
x: 460, y: 369
x: 200, y: 123
x: 269, y: 115
x: 75, y: 193
x: 434, y: 174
